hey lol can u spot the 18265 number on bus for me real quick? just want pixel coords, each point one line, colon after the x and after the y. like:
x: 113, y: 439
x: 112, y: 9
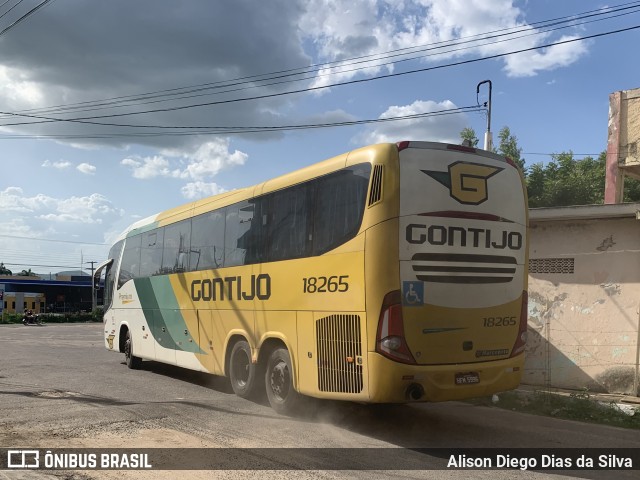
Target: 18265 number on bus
x: 499, y: 321
x: 331, y: 284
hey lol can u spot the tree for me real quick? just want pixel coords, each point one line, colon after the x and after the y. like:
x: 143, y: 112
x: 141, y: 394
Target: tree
x: 631, y: 190
x: 564, y: 180
x: 567, y: 181
x: 27, y: 273
x: 469, y: 134
x: 508, y: 147
x: 4, y: 270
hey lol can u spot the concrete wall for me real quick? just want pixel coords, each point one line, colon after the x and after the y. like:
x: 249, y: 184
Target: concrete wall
x: 629, y: 152
x: 623, y: 143
x: 584, y: 298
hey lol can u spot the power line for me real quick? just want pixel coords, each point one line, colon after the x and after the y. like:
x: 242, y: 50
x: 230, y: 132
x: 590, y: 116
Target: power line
x: 34, y: 265
x: 26, y: 15
x: 212, y: 130
x: 10, y: 8
x: 51, y: 240
x: 344, y: 83
x: 560, y: 153
x: 112, y: 103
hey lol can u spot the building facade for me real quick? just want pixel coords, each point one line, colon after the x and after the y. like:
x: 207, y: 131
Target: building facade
x: 584, y: 298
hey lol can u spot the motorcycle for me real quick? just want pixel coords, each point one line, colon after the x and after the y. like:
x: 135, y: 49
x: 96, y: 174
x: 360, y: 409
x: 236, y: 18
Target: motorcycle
x: 31, y: 319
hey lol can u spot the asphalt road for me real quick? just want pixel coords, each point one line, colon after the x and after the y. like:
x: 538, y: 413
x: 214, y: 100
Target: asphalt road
x: 59, y: 388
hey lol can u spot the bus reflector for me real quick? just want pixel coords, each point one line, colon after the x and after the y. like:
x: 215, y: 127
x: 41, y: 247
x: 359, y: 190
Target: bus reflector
x: 521, y: 339
x: 402, y: 145
x: 390, y: 340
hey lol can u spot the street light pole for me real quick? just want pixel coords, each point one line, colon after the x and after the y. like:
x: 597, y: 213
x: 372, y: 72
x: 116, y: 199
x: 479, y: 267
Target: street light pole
x: 488, y: 141
x: 94, y: 300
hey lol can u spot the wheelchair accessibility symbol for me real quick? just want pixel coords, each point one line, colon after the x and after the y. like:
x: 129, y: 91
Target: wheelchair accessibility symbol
x: 413, y: 294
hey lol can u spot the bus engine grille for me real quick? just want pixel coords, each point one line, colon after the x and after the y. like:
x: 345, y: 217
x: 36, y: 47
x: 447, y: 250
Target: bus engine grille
x: 339, y: 354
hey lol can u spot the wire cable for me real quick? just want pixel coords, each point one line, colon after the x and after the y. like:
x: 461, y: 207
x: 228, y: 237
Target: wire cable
x: 113, y: 102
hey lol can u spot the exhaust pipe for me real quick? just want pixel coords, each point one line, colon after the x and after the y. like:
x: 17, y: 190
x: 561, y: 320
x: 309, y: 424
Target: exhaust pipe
x: 415, y: 392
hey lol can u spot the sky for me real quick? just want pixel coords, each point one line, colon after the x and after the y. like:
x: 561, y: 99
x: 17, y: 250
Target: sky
x: 114, y: 111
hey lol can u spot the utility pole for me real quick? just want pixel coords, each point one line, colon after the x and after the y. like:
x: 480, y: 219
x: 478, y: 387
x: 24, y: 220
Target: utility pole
x: 94, y: 300
x: 488, y: 141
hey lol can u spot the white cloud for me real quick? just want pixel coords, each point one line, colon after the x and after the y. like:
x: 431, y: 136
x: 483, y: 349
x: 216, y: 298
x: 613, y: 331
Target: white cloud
x: 528, y: 64
x: 210, y: 158
x: 17, y: 88
x: 89, y: 209
x: 199, y: 163
x: 60, y: 165
x: 443, y: 128
x: 149, y: 167
x: 12, y: 199
x: 40, y: 69
x: 345, y: 29
x: 87, y: 169
x: 194, y: 190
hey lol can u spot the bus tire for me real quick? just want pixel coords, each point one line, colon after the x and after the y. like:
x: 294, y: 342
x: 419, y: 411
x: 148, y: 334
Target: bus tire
x: 133, y: 362
x: 279, y: 382
x: 245, y: 380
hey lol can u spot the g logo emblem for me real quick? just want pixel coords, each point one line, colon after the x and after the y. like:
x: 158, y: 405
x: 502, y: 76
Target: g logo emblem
x: 467, y: 182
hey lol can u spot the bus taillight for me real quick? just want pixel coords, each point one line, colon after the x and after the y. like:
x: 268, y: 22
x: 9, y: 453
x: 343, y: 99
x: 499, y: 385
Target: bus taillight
x: 390, y: 340
x: 521, y: 340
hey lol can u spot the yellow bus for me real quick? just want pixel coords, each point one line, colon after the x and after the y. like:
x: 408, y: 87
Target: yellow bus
x: 392, y: 273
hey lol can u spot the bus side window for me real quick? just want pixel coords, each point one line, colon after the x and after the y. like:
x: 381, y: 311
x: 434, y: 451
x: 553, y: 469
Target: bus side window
x: 289, y: 223
x: 177, y: 243
x: 109, y: 276
x: 151, y: 252
x: 339, y: 206
x: 207, y: 240
x: 244, y: 228
x: 130, y: 267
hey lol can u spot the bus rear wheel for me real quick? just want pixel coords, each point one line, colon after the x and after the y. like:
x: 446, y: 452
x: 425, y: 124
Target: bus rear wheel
x: 245, y: 377
x: 132, y: 361
x: 279, y: 382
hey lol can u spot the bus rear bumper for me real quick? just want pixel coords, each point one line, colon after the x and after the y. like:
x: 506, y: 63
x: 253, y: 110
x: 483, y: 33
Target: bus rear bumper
x: 399, y: 383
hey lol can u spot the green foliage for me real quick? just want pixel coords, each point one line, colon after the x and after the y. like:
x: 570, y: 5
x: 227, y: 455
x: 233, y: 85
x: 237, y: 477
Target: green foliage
x: 578, y: 406
x: 27, y: 273
x: 564, y: 180
x: 631, y: 190
x: 469, y: 134
x: 4, y: 270
x: 55, y: 317
x: 508, y: 147
x: 98, y: 314
x: 567, y: 181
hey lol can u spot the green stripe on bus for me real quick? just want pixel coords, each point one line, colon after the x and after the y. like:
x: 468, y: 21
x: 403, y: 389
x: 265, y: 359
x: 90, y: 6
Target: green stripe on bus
x: 162, y: 311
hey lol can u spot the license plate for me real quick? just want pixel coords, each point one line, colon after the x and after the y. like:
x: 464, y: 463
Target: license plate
x: 467, y: 378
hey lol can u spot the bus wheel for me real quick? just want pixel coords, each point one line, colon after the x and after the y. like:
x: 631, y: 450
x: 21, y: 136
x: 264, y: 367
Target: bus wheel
x: 279, y: 382
x: 132, y: 361
x: 244, y: 376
